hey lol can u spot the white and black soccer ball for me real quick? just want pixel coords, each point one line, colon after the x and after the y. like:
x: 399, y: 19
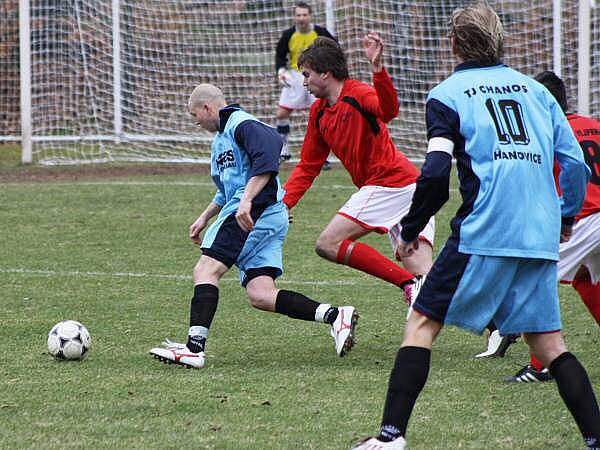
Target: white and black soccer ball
x: 69, y: 339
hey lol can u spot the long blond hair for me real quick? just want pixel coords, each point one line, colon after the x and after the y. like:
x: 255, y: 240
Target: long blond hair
x: 478, y: 33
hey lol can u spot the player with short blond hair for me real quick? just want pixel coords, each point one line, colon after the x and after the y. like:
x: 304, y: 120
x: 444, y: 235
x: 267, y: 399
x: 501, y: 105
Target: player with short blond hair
x: 505, y: 131
x: 250, y: 226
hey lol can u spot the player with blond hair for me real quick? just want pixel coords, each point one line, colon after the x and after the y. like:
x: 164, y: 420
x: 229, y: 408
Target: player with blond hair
x: 505, y: 131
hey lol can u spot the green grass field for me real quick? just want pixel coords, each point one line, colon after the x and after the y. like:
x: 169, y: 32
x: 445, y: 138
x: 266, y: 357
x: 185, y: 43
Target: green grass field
x: 113, y: 253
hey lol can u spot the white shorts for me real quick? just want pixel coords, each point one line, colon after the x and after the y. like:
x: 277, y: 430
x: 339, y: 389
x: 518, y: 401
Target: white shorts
x: 295, y: 96
x: 380, y: 209
x: 583, y: 249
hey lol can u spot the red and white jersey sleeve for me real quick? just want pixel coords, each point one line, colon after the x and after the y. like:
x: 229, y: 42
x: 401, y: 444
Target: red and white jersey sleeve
x: 370, y: 157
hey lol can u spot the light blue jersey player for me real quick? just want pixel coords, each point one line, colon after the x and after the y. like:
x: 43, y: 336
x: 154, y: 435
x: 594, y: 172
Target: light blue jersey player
x: 249, y: 230
x: 505, y: 130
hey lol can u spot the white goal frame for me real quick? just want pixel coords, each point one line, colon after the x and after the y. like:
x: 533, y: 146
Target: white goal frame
x: 27, y: 138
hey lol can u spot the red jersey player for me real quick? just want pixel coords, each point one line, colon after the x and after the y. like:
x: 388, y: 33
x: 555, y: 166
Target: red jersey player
x: 349, y: 120
x: 579, y: 263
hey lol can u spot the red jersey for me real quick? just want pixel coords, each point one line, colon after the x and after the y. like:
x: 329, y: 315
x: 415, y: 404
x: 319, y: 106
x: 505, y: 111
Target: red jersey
x: 354, y: 130
x: 587, y: 132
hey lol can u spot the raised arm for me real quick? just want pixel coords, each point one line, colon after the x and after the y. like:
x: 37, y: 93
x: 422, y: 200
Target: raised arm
x: 383, y: 103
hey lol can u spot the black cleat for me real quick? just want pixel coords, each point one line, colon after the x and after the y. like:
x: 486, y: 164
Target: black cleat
x: 530, y: 375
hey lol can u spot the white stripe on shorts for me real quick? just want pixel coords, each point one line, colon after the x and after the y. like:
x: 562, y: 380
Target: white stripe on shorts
x: 381, y: 209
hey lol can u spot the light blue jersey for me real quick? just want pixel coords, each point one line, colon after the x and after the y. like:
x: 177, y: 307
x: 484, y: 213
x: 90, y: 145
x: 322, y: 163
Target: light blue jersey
x: 231, y: 166
x: 507, y: 129
x: 243, y: 148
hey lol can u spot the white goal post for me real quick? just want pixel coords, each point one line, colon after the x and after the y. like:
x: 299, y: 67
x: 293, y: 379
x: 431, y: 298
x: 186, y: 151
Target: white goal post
x: 88, y: 81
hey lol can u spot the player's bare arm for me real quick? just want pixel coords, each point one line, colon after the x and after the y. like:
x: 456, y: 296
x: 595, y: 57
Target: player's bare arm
x: 385, y: 104
x: 253, y: 187
x: 373, y: 45
x: 566, y: 230
x: 200, y: 223
x: 407, y: 249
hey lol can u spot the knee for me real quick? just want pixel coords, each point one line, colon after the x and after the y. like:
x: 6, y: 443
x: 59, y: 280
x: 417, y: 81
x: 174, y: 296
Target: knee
x: 325, y: 248
x: 319, y: 250
x: 205, y: 273
x: 420, y: 331
x: 421, y: 261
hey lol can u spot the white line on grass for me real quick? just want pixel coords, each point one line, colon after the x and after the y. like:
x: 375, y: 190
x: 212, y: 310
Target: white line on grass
x: 153, y: 183
x: 166, y: 183
x: 77, y: 273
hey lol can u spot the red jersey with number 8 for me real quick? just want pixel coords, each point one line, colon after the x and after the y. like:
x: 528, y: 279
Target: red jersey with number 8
x: 587, y: 132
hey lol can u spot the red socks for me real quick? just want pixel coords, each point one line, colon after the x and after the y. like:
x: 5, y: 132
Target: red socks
x: 366, y: 259
x: 535, y: 363
x: 590, y: 294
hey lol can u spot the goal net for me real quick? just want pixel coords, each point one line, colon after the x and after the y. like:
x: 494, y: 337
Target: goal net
x: 112, y: 84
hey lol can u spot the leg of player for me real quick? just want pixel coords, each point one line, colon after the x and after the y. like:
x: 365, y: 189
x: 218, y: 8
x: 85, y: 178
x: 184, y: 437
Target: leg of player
x: 407, y: 379
x: 283, y: 128
x: 421, y: 260
x: 572, y: 381
x: 264, y: 295
x: 337, y: 243
x: 588, y: 291
x: 418, y: 264
x: 207, y: 273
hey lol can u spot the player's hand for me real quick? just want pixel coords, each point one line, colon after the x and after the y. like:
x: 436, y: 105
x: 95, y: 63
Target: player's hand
x: 406, y: 249
x: 283, y: 77
x: 290, y: 215
x: 243, y: 217
x: 196, y: 228
x: 373, y: 45
x: 565, y: 232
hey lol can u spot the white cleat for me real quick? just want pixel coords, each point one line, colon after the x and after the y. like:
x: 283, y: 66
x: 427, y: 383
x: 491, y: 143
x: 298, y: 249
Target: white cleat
x: 176, y: 353
x: 411, y: 292
x: 497, y: 345
x: 375, y: 444
x: 285, y: 155
x: 342, y: 329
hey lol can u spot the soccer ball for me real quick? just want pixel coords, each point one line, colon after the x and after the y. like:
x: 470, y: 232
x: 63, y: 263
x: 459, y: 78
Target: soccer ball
x: 69, y: 339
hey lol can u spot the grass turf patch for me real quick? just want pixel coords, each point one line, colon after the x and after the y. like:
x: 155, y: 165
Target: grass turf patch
x: 113, y: 253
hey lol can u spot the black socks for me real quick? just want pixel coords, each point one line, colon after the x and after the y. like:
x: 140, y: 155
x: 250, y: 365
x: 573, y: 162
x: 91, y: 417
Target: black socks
x: 295, y: 305
x: 407, y: 379
x: 202, y: 311
x: 577, y: 393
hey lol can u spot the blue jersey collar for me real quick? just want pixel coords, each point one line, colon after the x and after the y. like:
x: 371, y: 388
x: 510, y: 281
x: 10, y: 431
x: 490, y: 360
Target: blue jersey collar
x: 225, y: 113
x: 476, y: 65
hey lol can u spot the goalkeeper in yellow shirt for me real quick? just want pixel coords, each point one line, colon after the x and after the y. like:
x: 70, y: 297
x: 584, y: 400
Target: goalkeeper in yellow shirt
x: 293, y: 94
